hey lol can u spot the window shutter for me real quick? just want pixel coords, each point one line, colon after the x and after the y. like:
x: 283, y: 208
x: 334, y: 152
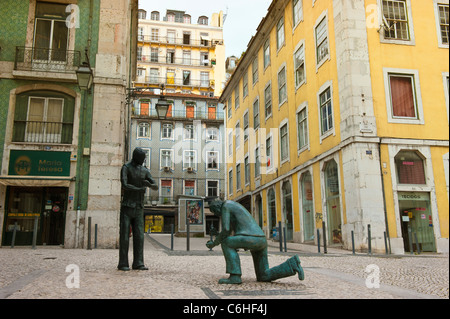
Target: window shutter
x: 68, y: 115
x: 20, y: 118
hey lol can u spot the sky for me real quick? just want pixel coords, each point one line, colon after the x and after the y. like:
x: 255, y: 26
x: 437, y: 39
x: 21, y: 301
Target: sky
x: 243, y: 17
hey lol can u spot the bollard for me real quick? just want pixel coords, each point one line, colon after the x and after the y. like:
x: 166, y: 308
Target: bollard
x: 369, y: 234
x: 14, y: 235
x: 171, y: 236
x: 417, y: 243
x: 211, y: 234
x: 353, y: 242
x: 386, y: 244
x: 318, y: 241
x: 188, y: 235
x: 35, y: 227
x: 324, y: 231
x: 284, y: 238
x: 280, y: 236
x: 95, y: 235
x: 89, y: 233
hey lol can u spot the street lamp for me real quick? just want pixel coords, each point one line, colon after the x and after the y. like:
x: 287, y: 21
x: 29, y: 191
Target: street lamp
x: 84, y: 76
x: 162, y: 106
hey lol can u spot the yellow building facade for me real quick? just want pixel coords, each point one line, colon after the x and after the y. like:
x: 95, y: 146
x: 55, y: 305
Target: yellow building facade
x: 337, y: 120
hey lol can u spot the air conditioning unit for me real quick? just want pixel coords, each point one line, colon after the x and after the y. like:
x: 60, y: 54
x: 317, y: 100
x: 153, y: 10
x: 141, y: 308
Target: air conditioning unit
x: 190, y: 169
x: 166, y: 169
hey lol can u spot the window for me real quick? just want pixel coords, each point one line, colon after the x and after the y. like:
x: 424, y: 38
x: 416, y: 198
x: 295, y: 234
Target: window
x: 256, y: 114
x: 297, y: 11
x: 444, y: 22
x: 282, y: 90
x: 269, y: 152
x: 272, y: 210
x: 154, y: 55
x: 187, y: 19
x: 321, y: 41
x: 255, y: 70
x: 268, y: 101
x: 230, y: 143
x: 51, y: 33
x: 142, y: 14
x: 213, y: 188
x: 280, y: 33
x: 190, y: 110
x: 43, y: 117
x: 238, y: 176
x: 245, y: 85
x: 186, y: 38
x: 204, y: 79
x: 266, y: 53
x: 410, y: 168
x: 395, y: 20
x: 284, y: 141
x: 246, y: 171
x: 186, y: 77
x: 166, y: 190
x: 326, y: 111
x: 170, y: 36
x: 186, y: 57
x: 171, y: 17
x: 213, y: 160
x: 155, y: 16
x: 170, y: 56
x: 189, y: 159
x: 166, y: 158
x: 147, y: 160
x: 189, y: 188
x: 212, y: 134
x: 238, y: 135
x: 236, y: 97
x: 299, y: 66
x: 230, y: 105
x: 246, y: 124
x: 189, y: 132
x: 203, y: 20
x: 257, y: 163
x: 167, y: 131
x: 230, y: 182
x: 302, y: 128
x: 144, y: 130
x: 212, y: 111
x: 155, y: 35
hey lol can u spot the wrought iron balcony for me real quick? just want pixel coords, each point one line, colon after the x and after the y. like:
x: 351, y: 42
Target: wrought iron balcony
x: 180, y: 114
x: 185, y: 61
x: 185, y: 41
x: 170, y: 81
x: 42, y: 132
x: 46, y: 60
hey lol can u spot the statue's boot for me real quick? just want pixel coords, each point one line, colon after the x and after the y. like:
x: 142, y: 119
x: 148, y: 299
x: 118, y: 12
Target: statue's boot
x: 289, y: 268
x: 232, y: 280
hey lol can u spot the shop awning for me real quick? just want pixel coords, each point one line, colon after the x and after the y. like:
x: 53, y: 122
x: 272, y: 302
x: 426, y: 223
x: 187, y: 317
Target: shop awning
x: 36, y: 181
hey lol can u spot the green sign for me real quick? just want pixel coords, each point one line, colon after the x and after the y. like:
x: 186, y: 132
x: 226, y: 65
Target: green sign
x: 39, y: 163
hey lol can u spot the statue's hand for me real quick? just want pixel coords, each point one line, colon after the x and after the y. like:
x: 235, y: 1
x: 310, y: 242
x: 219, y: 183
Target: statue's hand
x: 146, y: 183
x: 210, y: 244
x: 154, y: 187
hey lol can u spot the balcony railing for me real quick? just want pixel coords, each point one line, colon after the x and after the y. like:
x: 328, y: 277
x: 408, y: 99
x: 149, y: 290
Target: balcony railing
x: 178, y: 61
x: 185, y: 41
x: 172, y: 81
x: 46, y: 60
x: 42, y: 132
x: 180, y: 114
x: 162, y: 200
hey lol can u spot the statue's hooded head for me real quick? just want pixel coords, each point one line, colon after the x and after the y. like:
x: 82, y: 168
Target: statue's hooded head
x: 215, y: 206
x: 138, y: 156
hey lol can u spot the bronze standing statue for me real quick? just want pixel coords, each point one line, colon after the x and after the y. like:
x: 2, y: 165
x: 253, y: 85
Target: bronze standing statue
x: 249, y: 236
x: 135, y: 178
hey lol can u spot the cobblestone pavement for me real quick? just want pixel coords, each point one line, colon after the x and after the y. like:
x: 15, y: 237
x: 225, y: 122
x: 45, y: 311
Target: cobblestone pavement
x: 51, y: 273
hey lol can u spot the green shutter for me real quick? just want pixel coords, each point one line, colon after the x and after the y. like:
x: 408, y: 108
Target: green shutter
x: 68, y: 114
x: 20, y: 118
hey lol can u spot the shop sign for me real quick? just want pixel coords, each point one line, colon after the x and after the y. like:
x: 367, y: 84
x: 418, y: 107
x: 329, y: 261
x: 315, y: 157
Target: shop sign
x: 39, y: 163
x: 413, y: 196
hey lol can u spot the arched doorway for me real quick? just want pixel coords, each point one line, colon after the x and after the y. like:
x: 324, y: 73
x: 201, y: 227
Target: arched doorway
x: 333, y: 204
x: 307, y: 207
x: 286, y: 192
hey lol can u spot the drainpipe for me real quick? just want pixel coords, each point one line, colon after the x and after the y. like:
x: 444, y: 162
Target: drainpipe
x: 384, y: 197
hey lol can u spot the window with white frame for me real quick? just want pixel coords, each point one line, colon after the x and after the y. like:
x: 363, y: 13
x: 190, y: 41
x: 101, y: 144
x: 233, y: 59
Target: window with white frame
x: 280, y: 33
x: 230, y: 143
x: 238, y: 135
x: 189, y: 159
x: 212, y: 160
x: 442, y: 12
x: 245, y: 85
x: 154, y: 55
x: 204, y: 79
x: 155, y: 35
x: 255, y: 70
x: 189, y: 132
x: 212, y: 134
x: 257, y: 163
x: 230, y: 109
x: 297, y: 6
x: 246, y: 125
x: 189, y: 187
x: 268, y: 100
x: 321, y: 33
x: 395, y: 20
x: 212, y: 188
x: 238, y: 176
x: 403, y: 98
x: 246, y: 171
x: 167, y: 131
x: 269, y: 152
x: 299, y: 66
x: 266, y: 53
x: 236, y: 97
x: 284, y: 142
x: 326, y: 111
x: 282, y: 90
x: 143, y: 130
x: 256, y: 114
x: 230, y: 182
x: 302, y: 128
x: 147, y: 157
x: 166, y: 158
